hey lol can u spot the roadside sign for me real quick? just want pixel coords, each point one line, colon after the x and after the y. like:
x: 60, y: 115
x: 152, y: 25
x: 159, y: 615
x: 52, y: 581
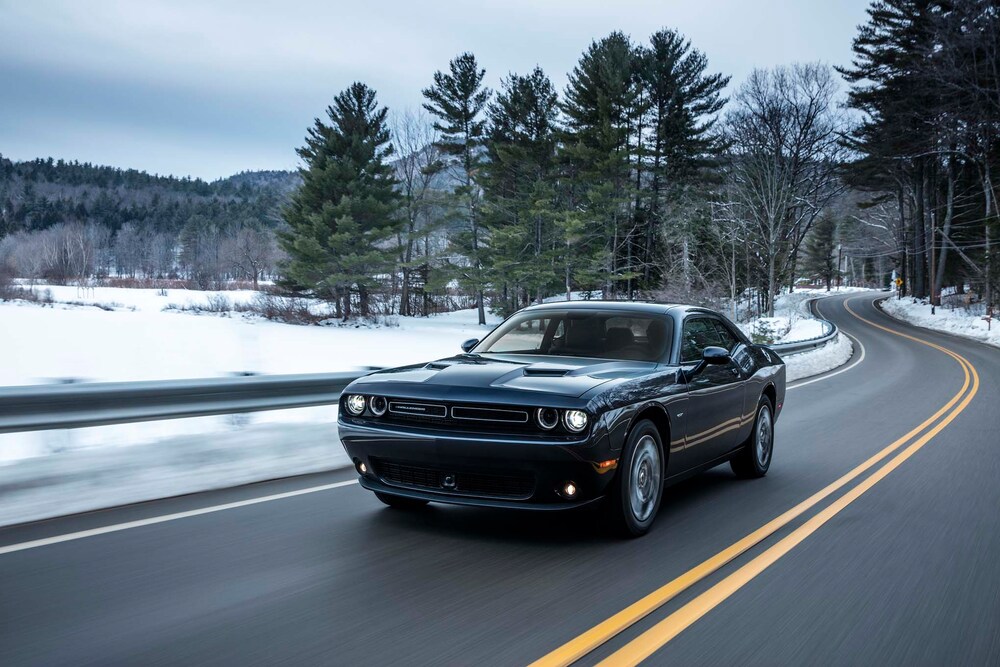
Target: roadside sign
x: 899, y: 282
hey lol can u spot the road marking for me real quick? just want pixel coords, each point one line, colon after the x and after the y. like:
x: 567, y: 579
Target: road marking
x: 604, y: 631
x: 842, y: 370
x: 835, y: 373
x: 69, y: 537
x: 657, y: 636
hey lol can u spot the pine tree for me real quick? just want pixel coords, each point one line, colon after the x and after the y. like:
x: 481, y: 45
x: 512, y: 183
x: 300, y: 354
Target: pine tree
x: 820, y: 246
x: 458, y: 100
x: 684, y: 102
x: 347, y: 205
x: 601, y: 105
x: 519, y: 197
x: 891, y: 86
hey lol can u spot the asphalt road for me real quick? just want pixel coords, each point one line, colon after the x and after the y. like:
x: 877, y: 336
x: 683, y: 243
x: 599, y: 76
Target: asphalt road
x: 896, y: 565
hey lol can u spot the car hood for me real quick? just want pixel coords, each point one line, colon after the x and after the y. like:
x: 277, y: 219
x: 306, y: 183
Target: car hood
x: 564, y: 376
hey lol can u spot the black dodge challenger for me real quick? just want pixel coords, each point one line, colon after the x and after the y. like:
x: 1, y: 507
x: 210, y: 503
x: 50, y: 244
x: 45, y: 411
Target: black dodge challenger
x: 568, y: 404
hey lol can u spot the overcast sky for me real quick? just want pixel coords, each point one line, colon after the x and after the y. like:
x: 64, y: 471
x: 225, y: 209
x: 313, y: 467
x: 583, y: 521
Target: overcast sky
x: 210, y: 88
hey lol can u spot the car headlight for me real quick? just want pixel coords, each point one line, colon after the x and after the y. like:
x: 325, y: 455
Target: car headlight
x: 355, y: 404
x: 378, y: 405
x: 548, y: 418
x: 575, y: 420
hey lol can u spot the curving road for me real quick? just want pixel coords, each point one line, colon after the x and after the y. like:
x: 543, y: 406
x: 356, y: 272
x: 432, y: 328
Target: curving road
x: 873, y: 540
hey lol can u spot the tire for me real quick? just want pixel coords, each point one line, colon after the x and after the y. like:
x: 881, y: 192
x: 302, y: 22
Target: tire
x: 637, y: 490
x: 400, y: 502
x: 754, y: 458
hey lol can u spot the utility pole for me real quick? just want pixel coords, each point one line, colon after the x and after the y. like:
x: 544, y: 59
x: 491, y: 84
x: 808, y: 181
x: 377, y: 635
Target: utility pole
x: 933, y: 266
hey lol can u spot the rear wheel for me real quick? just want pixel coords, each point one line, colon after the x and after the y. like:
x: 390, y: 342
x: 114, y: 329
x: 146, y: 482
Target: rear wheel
x: 754, y: 459
x: 399, y: 502
x: 637, y: 490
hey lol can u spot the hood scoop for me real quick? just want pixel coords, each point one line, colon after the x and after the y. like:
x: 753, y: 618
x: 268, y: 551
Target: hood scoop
x: 546, y: 371
x: 438, y: 365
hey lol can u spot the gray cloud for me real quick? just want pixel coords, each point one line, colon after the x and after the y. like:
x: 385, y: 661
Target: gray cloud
x: 209, y: 89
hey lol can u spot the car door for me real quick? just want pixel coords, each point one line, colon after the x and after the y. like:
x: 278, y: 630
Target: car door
x: 715, y: 395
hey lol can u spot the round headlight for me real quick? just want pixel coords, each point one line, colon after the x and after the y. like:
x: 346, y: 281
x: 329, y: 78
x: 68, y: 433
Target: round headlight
x: 548, y: 418
x: 575, y: 420
x: 378, y: 405
x: 355, y: 404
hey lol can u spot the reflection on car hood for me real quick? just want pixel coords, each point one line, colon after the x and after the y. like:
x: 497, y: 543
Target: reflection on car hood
x: 566, y: 376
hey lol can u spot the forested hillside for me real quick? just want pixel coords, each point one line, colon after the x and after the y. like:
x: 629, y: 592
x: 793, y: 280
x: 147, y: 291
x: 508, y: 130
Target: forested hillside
x: 68, y: 220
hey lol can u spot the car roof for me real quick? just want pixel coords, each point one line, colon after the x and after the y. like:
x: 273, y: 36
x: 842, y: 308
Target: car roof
x: 630, y: 306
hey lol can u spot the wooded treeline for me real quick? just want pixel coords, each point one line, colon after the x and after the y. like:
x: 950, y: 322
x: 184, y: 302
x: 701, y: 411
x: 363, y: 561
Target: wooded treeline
x: 648, y: 176
x: 926, y: 77
x: 63, y: 221
x: 641, y: 179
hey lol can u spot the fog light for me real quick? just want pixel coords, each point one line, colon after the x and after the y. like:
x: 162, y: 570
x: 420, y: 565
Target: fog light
x: 569, y: 489
x: 355, y: 404
x: 362, y: 468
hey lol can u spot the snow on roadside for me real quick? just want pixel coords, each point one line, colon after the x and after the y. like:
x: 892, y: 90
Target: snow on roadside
x: 792, y: 321
x: 813, y: 362
x: 954, y: 321
x: 81, y: 480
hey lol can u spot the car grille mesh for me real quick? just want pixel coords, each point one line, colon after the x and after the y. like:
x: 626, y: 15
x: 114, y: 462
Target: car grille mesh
x: 475, y: 483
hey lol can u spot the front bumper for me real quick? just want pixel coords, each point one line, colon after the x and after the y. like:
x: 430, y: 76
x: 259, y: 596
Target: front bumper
x: 502, y: 471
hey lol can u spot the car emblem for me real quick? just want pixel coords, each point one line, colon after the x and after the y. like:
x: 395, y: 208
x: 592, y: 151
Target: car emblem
x: 448, y: 482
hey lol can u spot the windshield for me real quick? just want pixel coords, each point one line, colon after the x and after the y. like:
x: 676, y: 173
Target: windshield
x: 583, y: 333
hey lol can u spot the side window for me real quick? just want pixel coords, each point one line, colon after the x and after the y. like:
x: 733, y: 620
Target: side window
x: 698, y: 333
x: 728, y: 338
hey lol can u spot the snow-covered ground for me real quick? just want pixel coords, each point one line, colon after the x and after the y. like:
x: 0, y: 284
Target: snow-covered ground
x: 792, y: 319
x: 140, y: 341
x: 820, y: 360
x: 956, y: 321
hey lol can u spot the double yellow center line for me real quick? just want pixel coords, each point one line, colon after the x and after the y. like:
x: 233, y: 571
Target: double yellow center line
x: 640, y: 648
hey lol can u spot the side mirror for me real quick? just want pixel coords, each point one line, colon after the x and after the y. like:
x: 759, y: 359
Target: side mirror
x: 715, y: 355
x: 469, y: 344
x: 710, y: 356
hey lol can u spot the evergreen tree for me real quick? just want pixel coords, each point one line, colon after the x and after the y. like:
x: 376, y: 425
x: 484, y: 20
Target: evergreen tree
x: 519, y: 197
x: 684, y: 102
x: 820, y: 246
x: 601, y: 105
x: 458, y: 100
x: 347, y: 205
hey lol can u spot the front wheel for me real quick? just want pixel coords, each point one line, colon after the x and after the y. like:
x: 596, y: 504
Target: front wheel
x: 754, y: 459
x: 638, y: 488
x: 400, y: 502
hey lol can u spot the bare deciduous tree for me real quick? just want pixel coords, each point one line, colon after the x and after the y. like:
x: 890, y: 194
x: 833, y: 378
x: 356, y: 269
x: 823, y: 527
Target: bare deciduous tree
x: 782, y: 167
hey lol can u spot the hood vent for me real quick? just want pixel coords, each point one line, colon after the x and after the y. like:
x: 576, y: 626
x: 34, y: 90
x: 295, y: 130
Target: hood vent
x: 542, y: 371
x: 437, y: 366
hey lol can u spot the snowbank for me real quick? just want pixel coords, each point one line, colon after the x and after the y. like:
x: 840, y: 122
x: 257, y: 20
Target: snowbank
x: 80, y: 480
x: 954, y: 321
x: 813, y: 362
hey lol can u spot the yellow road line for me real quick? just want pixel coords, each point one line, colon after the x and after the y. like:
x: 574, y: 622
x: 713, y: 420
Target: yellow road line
x: 656, y: 637
x: 604, y: 631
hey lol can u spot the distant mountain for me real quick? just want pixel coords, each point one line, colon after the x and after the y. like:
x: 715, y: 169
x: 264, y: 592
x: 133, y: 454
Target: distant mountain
x: 36, y: 194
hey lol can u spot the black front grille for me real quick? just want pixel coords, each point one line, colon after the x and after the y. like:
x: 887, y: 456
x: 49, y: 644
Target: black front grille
x: 475, y: 483
x: 489, y: 414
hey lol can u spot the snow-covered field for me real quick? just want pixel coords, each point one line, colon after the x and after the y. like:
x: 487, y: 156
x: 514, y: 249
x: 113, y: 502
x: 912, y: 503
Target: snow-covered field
x: 59, y: 472
x: 955, y: 321
x: 140, y: 341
